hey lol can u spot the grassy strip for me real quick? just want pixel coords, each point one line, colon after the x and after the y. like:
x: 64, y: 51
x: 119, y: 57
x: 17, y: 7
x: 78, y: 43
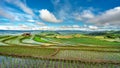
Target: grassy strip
x: 39, y: 39
x: 91, y: 49
x: 88, y: 41
x: 26, y: 51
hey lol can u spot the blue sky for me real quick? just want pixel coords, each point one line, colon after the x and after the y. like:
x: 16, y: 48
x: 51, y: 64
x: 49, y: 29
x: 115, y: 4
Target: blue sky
x: 59, y: 14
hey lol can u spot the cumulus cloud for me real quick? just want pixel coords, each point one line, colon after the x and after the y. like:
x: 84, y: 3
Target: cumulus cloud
x: 48, y: 16
x: 104, y: 19
x: 22, y: 6
x: 109, y: 17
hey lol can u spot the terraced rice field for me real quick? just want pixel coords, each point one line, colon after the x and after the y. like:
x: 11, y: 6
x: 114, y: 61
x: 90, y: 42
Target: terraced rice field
x: 10, y: 62
x: 19, y: 40
x: 86, y: 41
x: 26, y: 51
x: 29, y: 40
x: 89, y: 55
x: 31, y: 52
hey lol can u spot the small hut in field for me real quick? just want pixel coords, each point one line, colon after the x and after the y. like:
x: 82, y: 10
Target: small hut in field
x: 26, y: 34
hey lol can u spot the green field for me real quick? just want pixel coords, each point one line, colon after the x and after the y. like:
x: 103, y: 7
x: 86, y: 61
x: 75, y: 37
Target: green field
x: 48, y: 51
x: 84, y: 41
x: 26, y: 51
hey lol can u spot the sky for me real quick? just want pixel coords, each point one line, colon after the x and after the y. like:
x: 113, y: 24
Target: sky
x: 59, y: 14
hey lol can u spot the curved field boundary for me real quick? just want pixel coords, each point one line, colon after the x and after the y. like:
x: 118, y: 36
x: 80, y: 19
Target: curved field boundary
x: 15, y: 40
x: 2, y: 38
x: 22, y: 39
x: 5, y: 39
x: 34, y: 42
x: 9, y: 38
x: 39, y: 39
x: 57, y: 50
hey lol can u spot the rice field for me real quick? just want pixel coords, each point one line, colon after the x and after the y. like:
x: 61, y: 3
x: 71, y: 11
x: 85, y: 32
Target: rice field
x: 86, y: 41
x: 18, y: 51
x: 26, y: 51
x: 89, y: 55
x: 12, y: 62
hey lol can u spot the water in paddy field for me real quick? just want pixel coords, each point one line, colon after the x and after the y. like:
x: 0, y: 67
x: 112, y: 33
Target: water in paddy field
x: 10, y: 62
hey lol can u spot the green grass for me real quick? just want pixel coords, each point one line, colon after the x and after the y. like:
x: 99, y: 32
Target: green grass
x: 39, y: 39
x: 26, y: 50
x: 85, y: 40
x: 91, y: 48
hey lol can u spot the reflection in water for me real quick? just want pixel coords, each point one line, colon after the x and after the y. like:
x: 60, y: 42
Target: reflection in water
x: 10, y: 62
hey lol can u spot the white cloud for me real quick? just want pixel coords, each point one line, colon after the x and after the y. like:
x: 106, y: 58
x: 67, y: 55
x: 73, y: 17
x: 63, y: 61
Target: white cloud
x: 104, y: 19
x: 48, y: 16
x: 93, y: 27
x: 76, y: 26
x: 40, y: 23
x: 31, y: 20
x: 63, y: 9
x: 17, y: 27
x: 111, y: 17
x: 84, y: 15
x: 87, y: 14
x: 13, y: 14
x: 22, y: 6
